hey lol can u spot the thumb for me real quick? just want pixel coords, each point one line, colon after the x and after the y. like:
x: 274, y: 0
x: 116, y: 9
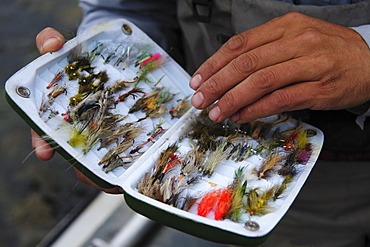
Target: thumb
x: 49, y: 40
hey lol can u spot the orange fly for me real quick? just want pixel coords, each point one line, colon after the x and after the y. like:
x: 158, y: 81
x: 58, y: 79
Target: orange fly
x: 220, y: 199
x: 223, y: 204
x: 57, y: 77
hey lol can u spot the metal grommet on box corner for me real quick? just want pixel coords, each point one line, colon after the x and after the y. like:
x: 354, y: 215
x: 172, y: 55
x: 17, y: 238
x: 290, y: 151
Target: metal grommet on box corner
x: 126, y: 29
x: 252, y: 225
x: 311, y: 132
x: 23, y: 92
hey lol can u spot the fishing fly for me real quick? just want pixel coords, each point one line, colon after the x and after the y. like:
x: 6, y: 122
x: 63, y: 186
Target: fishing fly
x: 213, y: 145
x: 115, y: 106
x: 57, y: 78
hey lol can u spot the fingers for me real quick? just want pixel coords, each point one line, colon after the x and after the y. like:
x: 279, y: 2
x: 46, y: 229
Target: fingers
x: 236, y: 46
x: 86, y: 180
x: 264, y: 81
x: 296, y: 97
x: 240, y: 68
x: 49, y: 40
x: 240, y: 57
x: 290, y: 63
x: 42, y: 149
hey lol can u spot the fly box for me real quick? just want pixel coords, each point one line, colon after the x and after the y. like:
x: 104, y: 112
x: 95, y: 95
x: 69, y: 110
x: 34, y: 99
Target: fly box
x: 116, y: 106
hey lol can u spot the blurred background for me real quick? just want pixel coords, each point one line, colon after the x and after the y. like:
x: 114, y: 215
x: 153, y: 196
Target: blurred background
x: 34, y: 195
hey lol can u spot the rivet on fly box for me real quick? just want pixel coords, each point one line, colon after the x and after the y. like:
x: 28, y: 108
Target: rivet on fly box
x: 252, y: 225
x: 126, y: 29
x: 23, y: 92
x: 311, y: 132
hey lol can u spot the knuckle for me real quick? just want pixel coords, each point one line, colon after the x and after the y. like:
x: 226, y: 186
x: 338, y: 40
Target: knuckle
x: 327, y: 97
x: 246, y: 62
x: 249, y: 113
x: 229, y: 101
x: 264, y: 80
x: 325, y: 62
x: 213, y: 86
x: 249, y: 110
x: 311, y: 36
x: 293, y: 16
x: 280, y: 99
x: 235, y: 43
x: 209, y: 65
x: 327, y: 88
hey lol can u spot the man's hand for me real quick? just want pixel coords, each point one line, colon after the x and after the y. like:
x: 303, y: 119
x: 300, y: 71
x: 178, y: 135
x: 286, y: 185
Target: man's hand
x: 50, y: 40
x: 290, y: 63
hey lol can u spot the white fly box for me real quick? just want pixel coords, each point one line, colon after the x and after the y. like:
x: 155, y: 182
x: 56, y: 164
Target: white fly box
x: 116, y: 106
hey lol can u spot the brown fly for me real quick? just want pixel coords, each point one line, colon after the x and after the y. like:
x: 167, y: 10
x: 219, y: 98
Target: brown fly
x: 272, y: 160
x: 181, y: 108
x: 133, y: 92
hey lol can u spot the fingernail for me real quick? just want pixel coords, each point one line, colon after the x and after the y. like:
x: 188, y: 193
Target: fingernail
x: 195, y: 81
x: 197, y: 99
x: 214, y: 113
x: 50, y: 43
x: 234, y: 118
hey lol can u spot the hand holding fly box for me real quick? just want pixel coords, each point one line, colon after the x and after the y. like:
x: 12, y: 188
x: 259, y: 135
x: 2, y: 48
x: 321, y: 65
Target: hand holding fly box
x: 116, y: 106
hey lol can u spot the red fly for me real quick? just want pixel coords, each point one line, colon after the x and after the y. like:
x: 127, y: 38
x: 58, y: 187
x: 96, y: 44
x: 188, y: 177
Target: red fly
x: 291, y: 140
x: 223, y: 203
x: 154, y: 57
x: 207, y: 202
x: 172, y: 163
x: 220, y: 199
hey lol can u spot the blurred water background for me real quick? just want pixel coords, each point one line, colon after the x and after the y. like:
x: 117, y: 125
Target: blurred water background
x: 34, y: 195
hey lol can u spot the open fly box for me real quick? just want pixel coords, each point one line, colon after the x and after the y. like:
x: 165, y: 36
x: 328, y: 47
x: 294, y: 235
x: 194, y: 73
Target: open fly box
x: 116, y: 106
